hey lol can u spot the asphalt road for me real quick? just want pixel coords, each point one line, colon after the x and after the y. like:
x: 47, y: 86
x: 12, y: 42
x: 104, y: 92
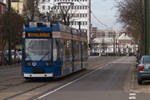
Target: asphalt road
x: 107, y: 78
x: 107, y: 82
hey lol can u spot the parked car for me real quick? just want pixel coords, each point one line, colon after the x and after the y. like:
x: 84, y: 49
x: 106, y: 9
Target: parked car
x: 143, y: 69
x: 94, y: 54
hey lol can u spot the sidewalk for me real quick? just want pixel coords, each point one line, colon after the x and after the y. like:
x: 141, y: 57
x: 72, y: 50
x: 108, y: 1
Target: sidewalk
x: 135, y: 87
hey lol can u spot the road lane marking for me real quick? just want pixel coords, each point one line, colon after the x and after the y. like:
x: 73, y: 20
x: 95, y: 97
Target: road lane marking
x: 72, y: 82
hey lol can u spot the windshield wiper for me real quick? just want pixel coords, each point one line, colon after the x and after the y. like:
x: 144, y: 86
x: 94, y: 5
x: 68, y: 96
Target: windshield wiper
x: 30, y: 42
x: 44, y: 56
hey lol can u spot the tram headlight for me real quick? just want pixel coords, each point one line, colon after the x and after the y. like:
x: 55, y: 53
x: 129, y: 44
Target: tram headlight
x: 47, y: 63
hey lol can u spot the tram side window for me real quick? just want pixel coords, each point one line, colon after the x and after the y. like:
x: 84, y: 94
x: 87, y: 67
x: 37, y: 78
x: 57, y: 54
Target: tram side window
x: 66, y: 49
x: 86, y: 49
x: 85, y: 52
x: 76, y: 51
x: 79, y: 51
x: 56, y: 53
x: 61, y: 49
x: 70, y: 49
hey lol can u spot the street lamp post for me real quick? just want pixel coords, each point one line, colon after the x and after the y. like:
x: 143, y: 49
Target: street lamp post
x: 114, y: 45
x: 147, y: 26
x: 9, y: 32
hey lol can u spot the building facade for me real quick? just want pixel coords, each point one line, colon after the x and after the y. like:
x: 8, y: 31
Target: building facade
x: 2, y: 7
x: 17, y: 5
x: 104, y: 41
x: 126, y: 45
x: 108, y: 41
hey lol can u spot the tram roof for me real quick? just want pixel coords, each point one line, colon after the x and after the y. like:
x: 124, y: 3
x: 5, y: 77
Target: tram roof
x: 53, y: 26
x: 38, y: 26
x: 62, y: 28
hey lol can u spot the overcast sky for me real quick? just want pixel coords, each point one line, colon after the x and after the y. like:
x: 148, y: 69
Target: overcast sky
x: 106, y: 12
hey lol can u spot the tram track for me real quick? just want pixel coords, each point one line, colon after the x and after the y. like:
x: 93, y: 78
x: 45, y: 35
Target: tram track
x: 9, y: 79
x: 8, y: 98
x: 6, y: 84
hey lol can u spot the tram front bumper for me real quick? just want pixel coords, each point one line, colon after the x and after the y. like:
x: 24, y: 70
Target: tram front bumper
x: 28, y: 75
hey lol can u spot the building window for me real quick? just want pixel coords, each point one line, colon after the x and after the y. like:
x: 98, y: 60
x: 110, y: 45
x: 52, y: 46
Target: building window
x: 83, y: 23
x: 49, y: 8
x: 78, y: 15
x: 86, y: 7
x: 80, y: 7
x: 74, y: 7
x: 85, y: 15
x: 86, y: 22
x: 43, y: 7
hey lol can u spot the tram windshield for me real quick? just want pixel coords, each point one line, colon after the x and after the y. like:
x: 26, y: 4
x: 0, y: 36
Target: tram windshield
x: 38, y: 49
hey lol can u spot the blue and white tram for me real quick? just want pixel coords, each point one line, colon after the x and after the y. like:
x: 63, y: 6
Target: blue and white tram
x: 53, y: 50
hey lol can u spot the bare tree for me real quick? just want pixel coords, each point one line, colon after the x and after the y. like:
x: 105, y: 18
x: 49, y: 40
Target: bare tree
x: 131, y: 14
x: 30, y: 10
x: 61, y: 12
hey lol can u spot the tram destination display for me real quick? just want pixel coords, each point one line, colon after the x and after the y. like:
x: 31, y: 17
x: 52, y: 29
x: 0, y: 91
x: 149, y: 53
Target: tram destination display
x: 38, y: 35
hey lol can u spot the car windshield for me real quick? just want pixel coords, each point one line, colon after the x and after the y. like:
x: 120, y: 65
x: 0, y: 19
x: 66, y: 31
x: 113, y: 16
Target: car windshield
x: 38, y: 49
x: 146, y: 59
